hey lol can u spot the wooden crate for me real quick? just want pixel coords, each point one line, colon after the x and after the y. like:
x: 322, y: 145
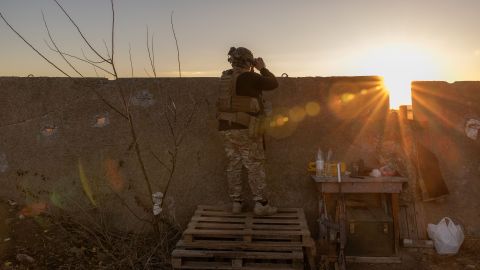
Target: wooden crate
x: 217, y: 239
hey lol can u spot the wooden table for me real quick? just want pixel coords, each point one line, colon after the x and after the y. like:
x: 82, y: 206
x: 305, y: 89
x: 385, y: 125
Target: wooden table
x: 388, y: 185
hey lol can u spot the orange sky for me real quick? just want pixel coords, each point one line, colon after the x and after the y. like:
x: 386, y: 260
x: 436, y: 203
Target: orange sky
x: 400, y: 40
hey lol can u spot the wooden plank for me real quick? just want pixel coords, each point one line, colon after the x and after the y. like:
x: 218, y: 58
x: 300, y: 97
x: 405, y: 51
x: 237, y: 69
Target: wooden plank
x: 361, y: 187
x: 237, y: 263
x: 420, y: 220
x: 357, y: 259
x: 404, y: 231
x: 201, y: 225
x: 411, y: 221
x: 223, y: 208
x: 413, y: 243
x: 279, y: 227
x: 247, y: 231
x: 242, y: 220
x: 396, y: 229
x: 295, y: 253
x: 258, y: 246
x: 203, y: 213
x: 219, y: 219
x: 188, y: 238
x: 417, y: 225
x: 366, y: 179
x: 176, y: 263
x: 227, y: 266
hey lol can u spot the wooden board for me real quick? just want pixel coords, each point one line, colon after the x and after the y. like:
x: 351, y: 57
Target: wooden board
x: 365, y: 179
x: 184, y: 258
x: 360, y: 187
x: 365, y: 259
x: 355, y: 259
x: 412, y: 243
x: 415, y: 223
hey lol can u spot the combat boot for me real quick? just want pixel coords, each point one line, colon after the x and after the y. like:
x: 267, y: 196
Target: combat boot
x: 264, y: 209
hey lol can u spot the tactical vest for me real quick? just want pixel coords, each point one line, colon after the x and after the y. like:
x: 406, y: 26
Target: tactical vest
x: 234, y: 108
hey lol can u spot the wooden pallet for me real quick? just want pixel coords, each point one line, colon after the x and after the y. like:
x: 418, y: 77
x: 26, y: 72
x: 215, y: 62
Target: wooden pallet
x: 217, y: 239
x: 213, y: 223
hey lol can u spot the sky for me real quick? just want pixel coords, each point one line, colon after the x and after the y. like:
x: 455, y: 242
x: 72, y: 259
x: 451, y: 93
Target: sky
x: 399, y: 40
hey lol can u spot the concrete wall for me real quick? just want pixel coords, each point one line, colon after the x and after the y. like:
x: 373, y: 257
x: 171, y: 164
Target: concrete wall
x: 443, y: 111
x: 60, y: 144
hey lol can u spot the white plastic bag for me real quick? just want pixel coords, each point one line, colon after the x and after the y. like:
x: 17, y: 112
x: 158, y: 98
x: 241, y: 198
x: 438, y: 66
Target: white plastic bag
x: 447, y: 237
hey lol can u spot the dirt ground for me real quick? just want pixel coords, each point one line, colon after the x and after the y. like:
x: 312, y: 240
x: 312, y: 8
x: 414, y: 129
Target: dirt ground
x: 32, y: 243
x: 427, y: 259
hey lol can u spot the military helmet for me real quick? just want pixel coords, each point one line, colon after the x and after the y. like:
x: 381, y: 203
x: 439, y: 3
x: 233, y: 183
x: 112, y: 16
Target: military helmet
x: 240, y: 57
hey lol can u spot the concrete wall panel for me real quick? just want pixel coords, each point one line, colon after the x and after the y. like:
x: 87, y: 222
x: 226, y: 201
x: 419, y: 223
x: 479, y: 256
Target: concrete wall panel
x: 50, y: 144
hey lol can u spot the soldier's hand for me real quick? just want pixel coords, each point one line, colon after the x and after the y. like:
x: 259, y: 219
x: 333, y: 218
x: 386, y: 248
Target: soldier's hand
x: 259, y: 63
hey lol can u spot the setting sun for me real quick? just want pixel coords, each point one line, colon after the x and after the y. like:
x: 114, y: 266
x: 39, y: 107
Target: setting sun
x: 399, y: 65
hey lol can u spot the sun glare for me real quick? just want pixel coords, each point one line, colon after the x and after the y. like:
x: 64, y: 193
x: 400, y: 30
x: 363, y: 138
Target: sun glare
x: 399, y: 65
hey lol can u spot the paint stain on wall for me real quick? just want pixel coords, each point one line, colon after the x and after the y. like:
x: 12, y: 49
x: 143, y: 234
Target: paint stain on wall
x: 101, y: 120
x: 49, y: 130
x: 143, y: 98
x: 3, y: 163
x: 471, y: 128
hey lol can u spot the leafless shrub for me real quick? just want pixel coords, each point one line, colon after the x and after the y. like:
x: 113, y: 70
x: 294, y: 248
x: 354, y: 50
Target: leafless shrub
x: 122, y: 250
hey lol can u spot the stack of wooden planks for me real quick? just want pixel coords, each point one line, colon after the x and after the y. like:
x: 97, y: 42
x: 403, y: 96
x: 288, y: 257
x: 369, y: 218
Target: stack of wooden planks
x: 217, y: 239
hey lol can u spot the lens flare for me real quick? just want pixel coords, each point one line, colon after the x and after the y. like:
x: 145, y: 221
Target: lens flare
x: 347, y: 97
x: 85, y: 183
x: 113, y: 175
x: 297, y: 114
x: 56, y: 199
x: 281, y: 120
x: 399, y: 64
x: 281, y: 125
x: 33, y: 209
x: 312, y: 108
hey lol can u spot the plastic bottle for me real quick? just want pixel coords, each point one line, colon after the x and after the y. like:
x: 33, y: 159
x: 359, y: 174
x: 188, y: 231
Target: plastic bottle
x: 319, y: 163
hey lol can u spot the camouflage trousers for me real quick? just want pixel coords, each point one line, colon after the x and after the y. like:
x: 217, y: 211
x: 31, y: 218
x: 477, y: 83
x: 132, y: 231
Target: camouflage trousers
x: 242, y: 150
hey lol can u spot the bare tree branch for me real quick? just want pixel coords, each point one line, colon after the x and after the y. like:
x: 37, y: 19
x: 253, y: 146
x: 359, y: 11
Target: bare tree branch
x: 95, y: 69
x: 80, y: 32
x: 90, y: 60
x: 139, y: 157
x: 78, y: 58
x: 153, y: 53
x: 187, y: 124
x: 159, y: 160
x: 176, y: 43
x: 146, y: 72
x: 109, y: 104
x: 150, y: 52
x: 130, y: 54
x: 122, y: 201
x: 31, y: 46
x: 113, y: 34
x: 56, y: 47
x: 106, y: 48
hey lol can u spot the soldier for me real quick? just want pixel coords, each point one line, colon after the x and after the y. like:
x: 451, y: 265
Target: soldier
x: 240, y: 111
